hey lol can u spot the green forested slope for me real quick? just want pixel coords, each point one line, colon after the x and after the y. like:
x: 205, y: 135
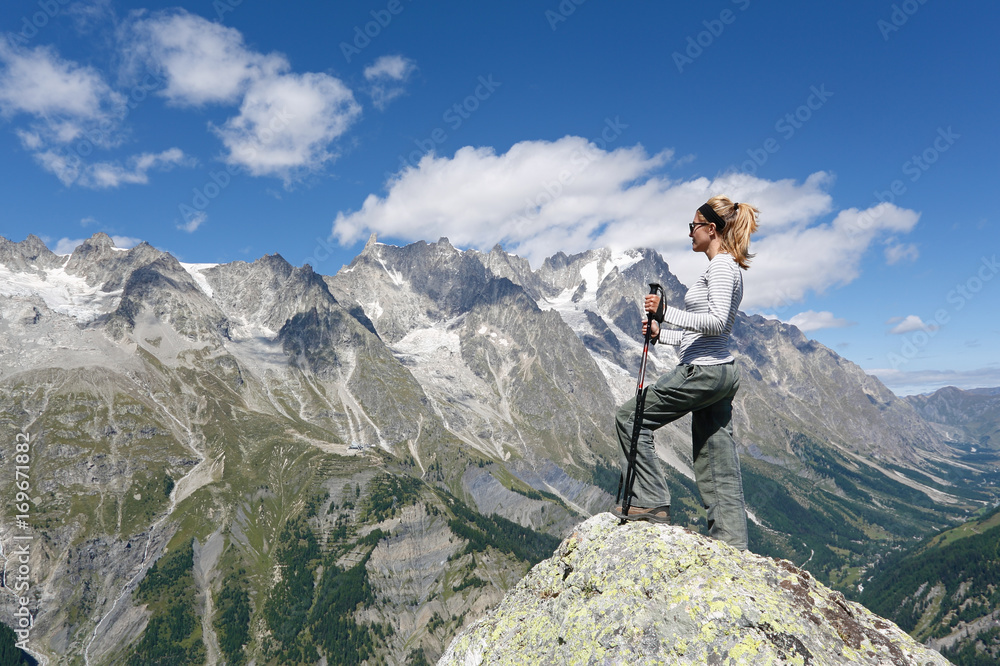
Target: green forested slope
x: 946, y: 589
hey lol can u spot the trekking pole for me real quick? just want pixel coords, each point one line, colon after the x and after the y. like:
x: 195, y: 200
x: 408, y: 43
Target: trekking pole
x: 628, y: 479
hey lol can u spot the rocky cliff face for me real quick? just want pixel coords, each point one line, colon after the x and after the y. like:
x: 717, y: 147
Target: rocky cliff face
x: 970, y: 416
x: 651, y: 594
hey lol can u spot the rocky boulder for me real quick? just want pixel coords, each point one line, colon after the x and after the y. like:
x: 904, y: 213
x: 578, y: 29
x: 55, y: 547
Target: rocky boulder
x: 643, y: 594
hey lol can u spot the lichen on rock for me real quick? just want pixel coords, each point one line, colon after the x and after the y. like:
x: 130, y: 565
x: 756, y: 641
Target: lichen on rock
x: 655, y: 594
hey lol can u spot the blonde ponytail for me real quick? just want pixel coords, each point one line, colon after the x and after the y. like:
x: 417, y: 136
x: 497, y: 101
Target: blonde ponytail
x: 740, y: 221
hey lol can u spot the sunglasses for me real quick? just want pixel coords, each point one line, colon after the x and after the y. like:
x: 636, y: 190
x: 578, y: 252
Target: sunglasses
x: 693, y: 225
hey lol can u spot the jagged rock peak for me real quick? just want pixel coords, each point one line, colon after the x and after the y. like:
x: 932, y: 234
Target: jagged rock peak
x: 99, y: 261
x: 97, y: 246
x: 276, y: 263
x: 31, y: 252
x: 99, y: 239
x: 644, y: 594
x: 371, y: 240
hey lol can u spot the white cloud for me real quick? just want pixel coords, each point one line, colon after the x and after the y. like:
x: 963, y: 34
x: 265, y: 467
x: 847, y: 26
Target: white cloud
x: 898, y: 252
x: 909, y: 324
x: 385, y: 75
x: 814, y: 321
x: 67, y: 245
x: 287, y: 123
x: 203, y: 62
x: 913, y: 382
x: 89, y: 220
x: 105, y: 175
x: 125, y: 242
x: 40, y: 83
x: 569, y: 195
x: 804, y: 257
x: 73, y: 111
x: 393, y: 67
x: 197, y: 219
x: 65, y: 100
x: 90, y: 16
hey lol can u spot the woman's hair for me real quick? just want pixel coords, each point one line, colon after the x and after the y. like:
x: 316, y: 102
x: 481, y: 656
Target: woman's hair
x: 741, y: 221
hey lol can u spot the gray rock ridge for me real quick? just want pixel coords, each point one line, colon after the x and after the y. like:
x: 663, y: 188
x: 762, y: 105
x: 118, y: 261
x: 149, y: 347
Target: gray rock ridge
x: 972, y: 416
x: 99, y: 262
x: 29, y: 255
x: 808, y: 385
x: 653, y: 594
x: 827, y: 396
x: 507, y: 377
x: 263, y: 295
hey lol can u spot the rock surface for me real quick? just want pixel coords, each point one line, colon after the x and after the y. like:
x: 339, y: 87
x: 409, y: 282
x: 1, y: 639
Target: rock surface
x: 650, y: 594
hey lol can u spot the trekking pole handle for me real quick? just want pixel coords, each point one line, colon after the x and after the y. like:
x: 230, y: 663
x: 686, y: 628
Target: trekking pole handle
x: 648, y: 336
x: 654, y: 287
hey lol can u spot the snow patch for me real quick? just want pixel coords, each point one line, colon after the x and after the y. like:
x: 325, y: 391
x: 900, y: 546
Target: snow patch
x: 394, y: 275
x: 63, y: 293
x: 373, y: 310
x: 195, y: 271
x: 625, y: 260
x: 594, y: 272
x: 246, y: 329
x: 426, y: 341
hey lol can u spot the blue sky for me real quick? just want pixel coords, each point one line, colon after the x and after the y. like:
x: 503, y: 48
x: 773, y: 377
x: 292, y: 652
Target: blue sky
x: 219, y: 131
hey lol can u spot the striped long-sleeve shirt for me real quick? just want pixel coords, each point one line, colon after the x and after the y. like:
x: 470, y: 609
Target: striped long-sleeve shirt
x: 708, y: 315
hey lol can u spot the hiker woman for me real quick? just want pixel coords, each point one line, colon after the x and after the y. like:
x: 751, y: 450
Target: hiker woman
x: 703, y: 383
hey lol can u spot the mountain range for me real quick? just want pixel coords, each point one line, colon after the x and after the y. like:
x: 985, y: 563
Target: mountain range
x: 253, y: 461
x: 972, y: 416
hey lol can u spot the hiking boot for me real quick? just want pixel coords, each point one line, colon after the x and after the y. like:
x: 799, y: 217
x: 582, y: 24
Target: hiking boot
x: 658, y: 514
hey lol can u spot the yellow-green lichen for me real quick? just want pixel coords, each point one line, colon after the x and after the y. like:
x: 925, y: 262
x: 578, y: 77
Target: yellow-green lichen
x: 643, y: 594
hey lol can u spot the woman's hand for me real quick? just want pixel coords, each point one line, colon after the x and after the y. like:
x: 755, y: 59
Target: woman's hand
x: 655, y: 331
x: 652, y: 302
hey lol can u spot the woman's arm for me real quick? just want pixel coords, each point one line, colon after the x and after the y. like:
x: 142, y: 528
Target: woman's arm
x: 721, y: 281
x: 661, y: 335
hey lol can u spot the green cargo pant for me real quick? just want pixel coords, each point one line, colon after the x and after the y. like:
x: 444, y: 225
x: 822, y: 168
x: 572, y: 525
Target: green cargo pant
x: 706, y: 391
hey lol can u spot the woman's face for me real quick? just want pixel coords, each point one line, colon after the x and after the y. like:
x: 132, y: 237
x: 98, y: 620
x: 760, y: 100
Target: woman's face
x: 700, y: 234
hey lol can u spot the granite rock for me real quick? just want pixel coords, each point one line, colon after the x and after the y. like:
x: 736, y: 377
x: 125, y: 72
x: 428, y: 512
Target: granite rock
x: 651, y: 594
